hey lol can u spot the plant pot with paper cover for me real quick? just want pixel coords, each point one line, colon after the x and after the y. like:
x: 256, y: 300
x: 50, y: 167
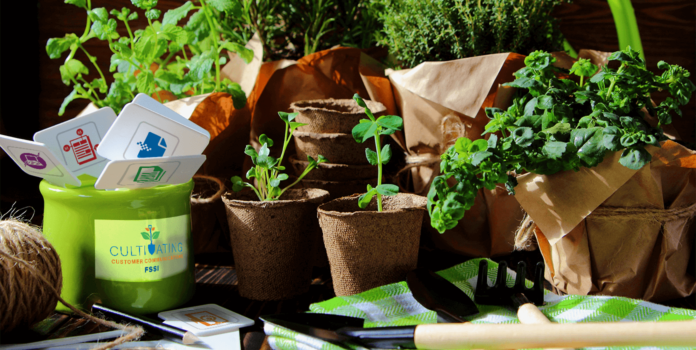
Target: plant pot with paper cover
x: 273, y: 230
x: 372, y: 242
x: 637, y: 244
x: 152, y: 60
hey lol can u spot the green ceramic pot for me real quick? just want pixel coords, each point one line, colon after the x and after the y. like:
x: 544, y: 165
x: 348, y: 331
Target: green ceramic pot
x: 129, y: 249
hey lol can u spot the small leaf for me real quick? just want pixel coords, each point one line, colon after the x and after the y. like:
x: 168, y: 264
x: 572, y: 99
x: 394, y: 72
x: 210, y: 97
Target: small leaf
x: 275, y: 182
x: 530, y: 107
x: 263, y: 139
x: 153, y: 14
x: 234, y: 7
x: 287, y: 117
x: 391, y: 122
x: 371, y: 156
x: 386, y: 154
x: 478, y: 157
x: 322, y: 159
x: 359, y: 101
x: 360, y: 131
x: 56, y: 46
x: 523, y: 136
x: 364, y: 199
x: 635, y: 158
x: 246, y: 54
x: 545, y: 102
x: 251, y: 173
x: 145, y: 81
x: 554, y: 149
x: 145, y: 235
x: 295, y: 125
x: 283, y: 177
x: 155, y: 235
x: 173, y: 16
x: 67, y: 101
x: 388, y: 190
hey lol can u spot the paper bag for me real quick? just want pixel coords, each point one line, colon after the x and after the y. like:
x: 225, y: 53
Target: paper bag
x: 440, y: 101
x: 614, y: 231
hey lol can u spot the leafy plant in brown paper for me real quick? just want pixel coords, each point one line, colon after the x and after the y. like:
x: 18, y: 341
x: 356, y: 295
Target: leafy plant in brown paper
x: 559, y: 124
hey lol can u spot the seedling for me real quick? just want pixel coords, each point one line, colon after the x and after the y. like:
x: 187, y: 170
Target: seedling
x: 375, y: 127
x: 267, y: 169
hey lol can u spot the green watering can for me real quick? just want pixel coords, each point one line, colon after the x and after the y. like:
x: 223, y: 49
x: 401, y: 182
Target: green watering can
x: 127, y: 249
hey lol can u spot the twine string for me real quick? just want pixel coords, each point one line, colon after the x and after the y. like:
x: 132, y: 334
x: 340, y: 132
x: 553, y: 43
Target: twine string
x: 20, y: 292
x: 525, y: 238
x: 214, y: 197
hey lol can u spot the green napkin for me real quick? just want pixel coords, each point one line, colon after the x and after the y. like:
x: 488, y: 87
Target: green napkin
x: 393, y: 305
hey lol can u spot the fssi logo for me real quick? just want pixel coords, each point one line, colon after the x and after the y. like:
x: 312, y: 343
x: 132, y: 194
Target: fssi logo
x: 151, y: 236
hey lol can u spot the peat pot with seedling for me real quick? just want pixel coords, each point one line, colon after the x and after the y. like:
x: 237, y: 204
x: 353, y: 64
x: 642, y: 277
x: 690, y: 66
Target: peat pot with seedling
x: 372, y: 239
x: 273, y: 230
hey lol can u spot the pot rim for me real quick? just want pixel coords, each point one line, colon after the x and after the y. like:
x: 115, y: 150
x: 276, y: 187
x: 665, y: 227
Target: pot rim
x: 318, y: 195
x: 334, y: 213
x: 316, y: 135
x: 375, y: 107
x: 294, y: 160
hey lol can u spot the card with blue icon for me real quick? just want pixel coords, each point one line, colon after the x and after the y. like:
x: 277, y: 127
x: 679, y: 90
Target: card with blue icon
x: 147, y: 129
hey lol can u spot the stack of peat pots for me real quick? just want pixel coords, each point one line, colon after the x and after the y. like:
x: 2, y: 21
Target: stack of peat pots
x: 366, y: 248
x: 328, y: 133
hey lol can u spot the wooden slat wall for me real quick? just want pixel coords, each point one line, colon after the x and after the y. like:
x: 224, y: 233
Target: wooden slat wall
x: 667, y: 27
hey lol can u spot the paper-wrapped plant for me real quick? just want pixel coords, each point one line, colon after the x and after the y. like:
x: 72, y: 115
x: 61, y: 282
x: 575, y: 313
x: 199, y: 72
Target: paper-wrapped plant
x: 559, y: 124
x: 164, y: 56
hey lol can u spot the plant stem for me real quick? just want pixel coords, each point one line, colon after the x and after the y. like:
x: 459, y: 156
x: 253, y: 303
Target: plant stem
x: 613, y: 81
x: 378, y: 148
x: 216, y: 36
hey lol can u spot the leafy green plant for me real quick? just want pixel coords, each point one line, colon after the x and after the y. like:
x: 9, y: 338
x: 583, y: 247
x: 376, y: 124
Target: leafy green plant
x: 162, y: 57
x: 375, y: 127
x: 267, y: 169
x: 416, y: 31
x: 559, y: 124
x: 295, y: 28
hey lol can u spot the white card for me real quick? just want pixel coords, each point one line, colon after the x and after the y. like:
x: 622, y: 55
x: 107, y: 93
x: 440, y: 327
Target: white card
x: 148, y: 172
x: 37, y: 160
x: 75, y: 141
x: 140, y: 133
x: 150, y: 103
x: 205, y: 319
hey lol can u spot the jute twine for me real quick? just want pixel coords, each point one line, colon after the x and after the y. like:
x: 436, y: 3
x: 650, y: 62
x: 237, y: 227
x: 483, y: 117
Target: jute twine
x: 215, y: 196
x: 452, y: 128
x: 525, y: 239
x: 31, y: 280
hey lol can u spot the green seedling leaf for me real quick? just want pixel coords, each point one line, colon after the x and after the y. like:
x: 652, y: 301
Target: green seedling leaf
x: 145, y: 235
x: 478, y: 145
x: 583, y: 67
x: 263, y: 139
x: 545, y: 102
x: 386, y: 154
x: 251, y: 173
x: 67, y: 101
x: 287, y: 117
x: 105, y: 30
x: 275, y: 182
x: 478, y: 157
x: 153, y: 14
x: 238, y: 96
x: 295, y: 125
x: 530, y: 107
x: 322, y: 159
x: 56, y: 46
x: 78, y: 3
x: 71, y: 69
x: 173, y: 16
x: 364, y: 131
x: 201, y: 64
x: 364, y: 199
x: 283, y: 177
x: 233, y: 7
x: 144, y: 4
x: 359, y: 101
x: 391, y: 122
x: 146, y: 81
x: 155, y: 235
x: 371, y: 156
x: 388, y: 190
x: 554, y: 149
x: 523, y: 136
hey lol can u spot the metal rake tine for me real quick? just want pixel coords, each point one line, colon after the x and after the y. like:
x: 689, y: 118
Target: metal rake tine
x: 482, y: 278
x: 501, y: 277
x: 519, y: 279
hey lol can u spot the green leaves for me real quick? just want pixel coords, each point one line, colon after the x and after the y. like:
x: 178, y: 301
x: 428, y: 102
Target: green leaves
x: 71, y: 70
x: 145, y: 235
x: 56, y: 46
x: 227, y: 6
x: 155, y: 235
x: 557, y: 124
x: 246, y: 54
x: 173, y: 16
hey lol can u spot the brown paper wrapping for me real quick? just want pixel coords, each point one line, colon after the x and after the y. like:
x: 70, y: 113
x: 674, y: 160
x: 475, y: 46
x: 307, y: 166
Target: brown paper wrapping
x: 605, y: 231
x: 454, y: 92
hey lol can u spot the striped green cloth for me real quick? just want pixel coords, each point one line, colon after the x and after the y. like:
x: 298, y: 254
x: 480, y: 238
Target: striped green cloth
x: 393, y: 305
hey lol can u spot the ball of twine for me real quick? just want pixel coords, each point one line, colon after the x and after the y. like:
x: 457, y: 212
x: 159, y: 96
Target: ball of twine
x: 31, y: 280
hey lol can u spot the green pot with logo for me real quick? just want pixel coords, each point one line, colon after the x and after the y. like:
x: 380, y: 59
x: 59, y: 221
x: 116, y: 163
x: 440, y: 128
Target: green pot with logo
x: 127, y: 249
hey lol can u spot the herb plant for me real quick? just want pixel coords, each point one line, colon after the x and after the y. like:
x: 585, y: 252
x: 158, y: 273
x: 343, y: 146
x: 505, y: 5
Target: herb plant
x: 162, y: 57
x: 375, y: 127
x: 559, y: 124
x: 267, y: 169
x: 416, y: 31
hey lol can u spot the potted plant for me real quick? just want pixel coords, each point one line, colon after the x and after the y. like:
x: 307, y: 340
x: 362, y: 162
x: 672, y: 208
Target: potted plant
x: 372, y: 242
x: 164, y: 60
x: 273, y: 230
x: 556, y: 125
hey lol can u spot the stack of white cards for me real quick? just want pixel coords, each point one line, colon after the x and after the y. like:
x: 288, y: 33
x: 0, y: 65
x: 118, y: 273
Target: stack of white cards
x: 147, y: 145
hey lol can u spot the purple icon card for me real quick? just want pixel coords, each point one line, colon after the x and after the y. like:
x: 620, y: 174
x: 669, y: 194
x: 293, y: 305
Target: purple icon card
x: 37, y: 160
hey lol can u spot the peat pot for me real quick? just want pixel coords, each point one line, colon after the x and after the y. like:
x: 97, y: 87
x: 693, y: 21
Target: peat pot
x: 273, y: 242
x: 337, y: 148
x: 130, y: 249
x: 333, y: 116
x: 367, y: 248
x: 333, y: 171
x: 208, y: 220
